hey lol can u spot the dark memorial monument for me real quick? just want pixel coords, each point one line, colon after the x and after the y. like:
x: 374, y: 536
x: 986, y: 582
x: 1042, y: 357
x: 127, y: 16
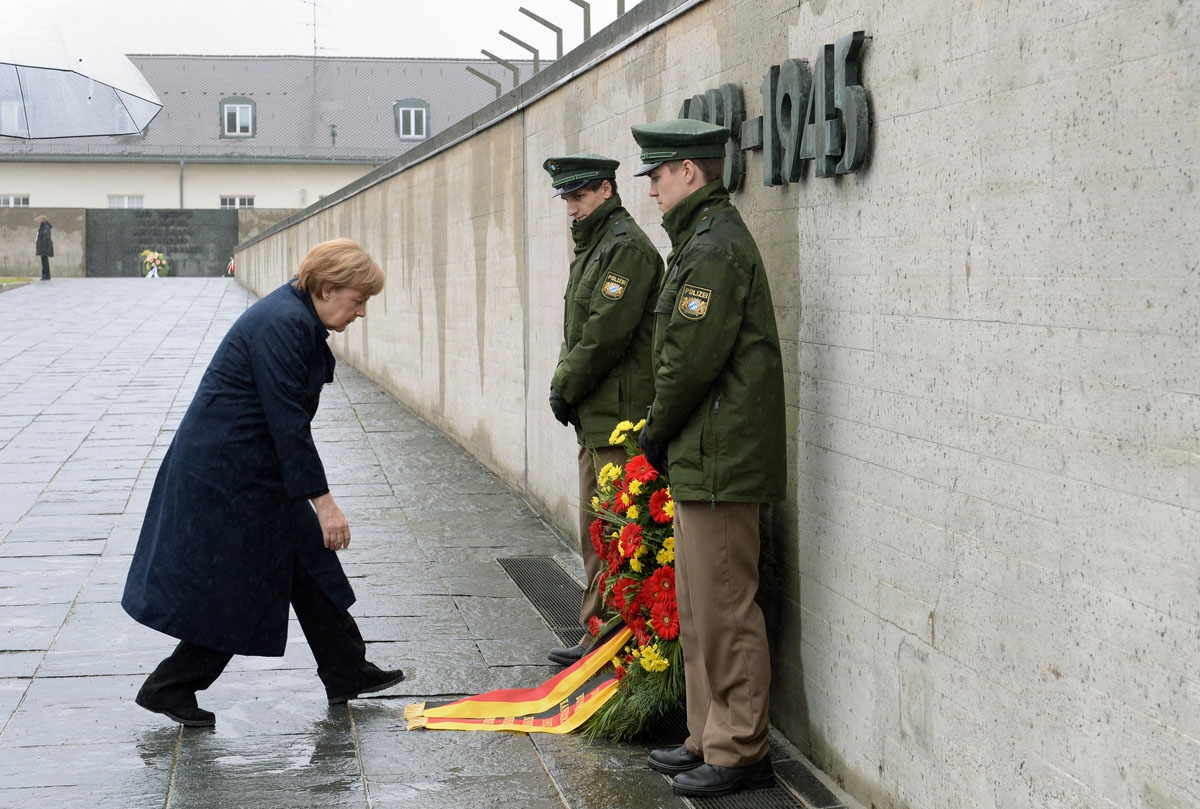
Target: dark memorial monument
x: 195, y: 242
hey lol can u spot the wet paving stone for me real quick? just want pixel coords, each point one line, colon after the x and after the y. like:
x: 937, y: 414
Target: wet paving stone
x: 23, y: 546
x: 130, y: 773
x: 18, y: 665
x: 14, y: 687
x: 104, y: 625
x: 31, y: 581
x: 27, y: 627
x: 491, y: 618
x: 314, y: 768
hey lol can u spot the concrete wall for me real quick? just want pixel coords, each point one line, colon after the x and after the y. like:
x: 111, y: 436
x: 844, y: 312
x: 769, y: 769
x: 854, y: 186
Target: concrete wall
x: 18, y: 231
x: 253, y: 221
x: 196, y: 243
x: 991, y: 552
x: 88, y: 185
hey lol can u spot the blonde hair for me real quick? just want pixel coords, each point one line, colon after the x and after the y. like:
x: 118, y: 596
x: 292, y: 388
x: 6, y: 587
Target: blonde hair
x: 40, y: 220
x: 339, y: 263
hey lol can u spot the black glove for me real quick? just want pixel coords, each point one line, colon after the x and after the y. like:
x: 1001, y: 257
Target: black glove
x: 656, y: 453
x: 563, y: 411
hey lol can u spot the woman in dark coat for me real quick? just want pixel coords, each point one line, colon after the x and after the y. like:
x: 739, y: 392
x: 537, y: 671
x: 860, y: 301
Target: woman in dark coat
x: 241, y: 522
x: 44, y: 246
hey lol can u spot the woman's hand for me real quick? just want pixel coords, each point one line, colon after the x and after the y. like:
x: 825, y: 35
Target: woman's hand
x: 335, y: 528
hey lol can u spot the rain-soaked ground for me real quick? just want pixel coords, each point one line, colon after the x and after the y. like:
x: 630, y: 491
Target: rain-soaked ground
x: 94, y: 375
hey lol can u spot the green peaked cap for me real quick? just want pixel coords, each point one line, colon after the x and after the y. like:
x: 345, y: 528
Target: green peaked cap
x: 572, y: 172
x: 678, y: 139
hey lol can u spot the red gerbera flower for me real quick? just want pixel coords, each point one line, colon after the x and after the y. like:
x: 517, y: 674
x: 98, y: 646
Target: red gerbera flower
x: 594, y: 626
x: 596, y: 529
x: 625, y: 594
x: 631, y: 539
x: 622, y: 500
x: 638, y: 625
x: 639, y: 468
x: 659, y: 585
x: 664, y: 617
x: 658, y: 504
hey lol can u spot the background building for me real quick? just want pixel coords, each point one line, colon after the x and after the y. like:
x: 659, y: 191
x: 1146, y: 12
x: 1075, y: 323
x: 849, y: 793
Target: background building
x: 272, y: 133
x: 250, y: 131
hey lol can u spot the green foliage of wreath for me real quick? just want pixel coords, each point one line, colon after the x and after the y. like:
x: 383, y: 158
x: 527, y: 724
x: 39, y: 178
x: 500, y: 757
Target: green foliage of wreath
x: 152, y: 260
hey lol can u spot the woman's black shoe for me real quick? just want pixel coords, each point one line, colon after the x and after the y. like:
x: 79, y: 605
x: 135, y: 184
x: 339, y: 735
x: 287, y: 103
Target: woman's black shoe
x: 190, y: 716
x: 375, y: 682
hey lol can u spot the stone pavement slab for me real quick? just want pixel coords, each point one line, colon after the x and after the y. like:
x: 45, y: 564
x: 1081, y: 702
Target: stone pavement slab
x: 94, y: 376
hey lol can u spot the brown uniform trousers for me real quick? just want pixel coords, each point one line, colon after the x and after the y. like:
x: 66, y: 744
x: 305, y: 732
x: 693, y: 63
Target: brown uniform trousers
x: 727, y: 664
x: 590, y: 464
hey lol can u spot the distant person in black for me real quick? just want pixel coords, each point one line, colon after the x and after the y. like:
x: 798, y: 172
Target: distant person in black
x: 45, y: 245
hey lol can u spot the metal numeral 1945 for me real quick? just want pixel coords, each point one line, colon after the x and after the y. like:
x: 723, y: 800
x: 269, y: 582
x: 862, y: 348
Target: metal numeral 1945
x: 819, y: 115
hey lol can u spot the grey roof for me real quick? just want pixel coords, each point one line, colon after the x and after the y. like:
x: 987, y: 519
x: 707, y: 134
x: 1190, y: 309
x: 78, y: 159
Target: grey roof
x: 296, y: 98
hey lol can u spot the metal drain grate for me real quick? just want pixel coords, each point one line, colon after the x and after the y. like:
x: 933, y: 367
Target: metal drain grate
x: 550, y: 590
x: 791, y: 779
x: 812, y: 791
x: 775, y: 797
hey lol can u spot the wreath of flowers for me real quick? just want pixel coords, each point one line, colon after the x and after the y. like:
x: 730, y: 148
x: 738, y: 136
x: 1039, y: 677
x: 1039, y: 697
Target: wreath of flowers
x: 633, y: 533
x: 152, y: 260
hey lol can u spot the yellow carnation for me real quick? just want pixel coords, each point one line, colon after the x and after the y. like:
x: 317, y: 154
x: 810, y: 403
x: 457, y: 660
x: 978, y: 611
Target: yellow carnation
x: 632, y: 512
x: 667, y: 555
x: 652, y: 660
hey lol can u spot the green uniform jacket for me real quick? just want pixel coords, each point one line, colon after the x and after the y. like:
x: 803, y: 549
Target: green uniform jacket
x: 718, y: 374
x: 604, y: 367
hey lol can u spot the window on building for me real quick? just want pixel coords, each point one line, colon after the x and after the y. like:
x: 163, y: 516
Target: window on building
x: 412, y: 119
x: 11, y: 116
x: 125, y: 200
x: 14, y: 200
x: 237, y: 118
x: 237, y: 202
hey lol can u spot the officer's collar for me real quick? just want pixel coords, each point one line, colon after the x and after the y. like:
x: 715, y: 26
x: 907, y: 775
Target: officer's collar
x: 680, y: 221
x: 586, y: 229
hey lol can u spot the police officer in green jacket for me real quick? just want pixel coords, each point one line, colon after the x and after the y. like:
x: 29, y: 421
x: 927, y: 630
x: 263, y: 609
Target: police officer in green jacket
x: 717, y: 427
x: 604, y: 372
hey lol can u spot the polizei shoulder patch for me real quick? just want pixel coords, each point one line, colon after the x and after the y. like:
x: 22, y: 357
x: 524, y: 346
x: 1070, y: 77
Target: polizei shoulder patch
x: 693, y: 302
x: 614, y: 286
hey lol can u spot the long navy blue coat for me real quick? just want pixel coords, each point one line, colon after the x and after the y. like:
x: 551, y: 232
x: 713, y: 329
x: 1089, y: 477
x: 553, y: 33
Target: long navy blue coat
x: 229, y: 514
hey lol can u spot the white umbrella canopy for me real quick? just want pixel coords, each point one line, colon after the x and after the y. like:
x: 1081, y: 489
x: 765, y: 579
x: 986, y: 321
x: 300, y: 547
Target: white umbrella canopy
x: 59, y: 85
